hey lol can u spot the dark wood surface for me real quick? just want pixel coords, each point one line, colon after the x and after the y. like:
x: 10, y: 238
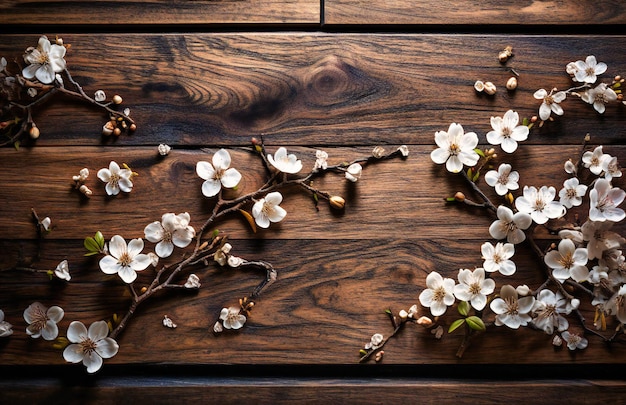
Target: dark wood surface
x: 344, y: 93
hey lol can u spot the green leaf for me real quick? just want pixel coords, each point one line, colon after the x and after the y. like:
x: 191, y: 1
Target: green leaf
x: 476, y: 323
x: 463, y: 308
x: 99, y: 238
x: 388, y: 311
x: 16, y: 145
x: 480, y: 152
x: 476, y: 176
x: 455, y: 325
x: 362, y: 352
x: 450, y: 199
x: 91, y: 254
x: 91, y: 245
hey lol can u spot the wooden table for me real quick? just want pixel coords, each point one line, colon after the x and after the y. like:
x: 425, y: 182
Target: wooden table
x: 343, y: 76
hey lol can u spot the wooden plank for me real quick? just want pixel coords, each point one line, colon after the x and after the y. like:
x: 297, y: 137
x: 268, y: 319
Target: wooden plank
x: 319, y: 312
x: 306, y: 391
x: 475, y: 12
x: 319, y: 89
x: 144, y: 13
x: 415, y: 211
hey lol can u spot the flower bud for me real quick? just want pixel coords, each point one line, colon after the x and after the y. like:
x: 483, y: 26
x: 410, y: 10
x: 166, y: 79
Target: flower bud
x: 424, y: 321
x: 337, y: 202
x: 404, y: 150
x: 164, y: 149
x: 490, y: 88
x: 85, y: 190
x: 132, y: 128
x: 479, y: 86
x: 378, y: 152
x: 117, y: 132
x: 34, y: 132
x: 505, y: 54
x: 459, y: 196
x: 117, y: 99
x: 218, y: 328
x: 511, y: 84
x: 557, y: 341
x: 403, y: 314
x: 100, y: 96
x: 108, y: 128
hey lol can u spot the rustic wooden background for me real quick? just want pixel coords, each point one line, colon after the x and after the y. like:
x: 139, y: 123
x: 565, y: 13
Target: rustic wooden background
x: 336, y: 75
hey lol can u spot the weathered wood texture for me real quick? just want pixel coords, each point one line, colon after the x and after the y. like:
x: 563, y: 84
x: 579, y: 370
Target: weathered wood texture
x: 475, y: 12
x: 145, y: 13
x: 320, y: 89
x: 337, y: 272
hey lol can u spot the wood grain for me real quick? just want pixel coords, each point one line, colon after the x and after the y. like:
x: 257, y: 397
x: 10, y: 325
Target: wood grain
x: 338, y: 272
x: 320, y: 89
x: 475, y: 12
x: 146, y: 13
x: 417, y: 210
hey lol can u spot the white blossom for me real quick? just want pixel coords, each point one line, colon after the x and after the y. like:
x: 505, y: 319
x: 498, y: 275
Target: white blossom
x: 604, y: 200
x: 89, y: 346
x: 568, y: 261
x: 438, y: 295
x: 474, y: 288
x: 217, y: 174
x: 539, y: 204
x: 548, y: 309
x: 570, y: 167
x: 599, y: 237
x: 6, y: 329
x: 587, y: 71
x: 320, y: 160
x: 286, y: 163
x: 574, y: 341
x: 231, y: 318
x: 510, y: 226
x: 610, y: 167
x: 164, y: 149
x: 116, y: 179
x: 42, y: 321
x: 193, y: 281
x: 375, y: 342
x: 455, y: 148
x: 267, y: 210
x: 221, y: 254
x: 99, y: 96
x: 599, y: 97
x: 125, y: 260
x: 506, y: 132
x: 404, y: 150
x: 45, y: 223
x: 168, y: 323
x: 511, y: 310
x: 44, y: 61
x: 173, y: 230
x: 62, y: 271
x: 550, y: 103
x: 497, y: 258
x: 593, y: 160
x: 572, y: 193
x: 353, y: 172
x: 503, y: 180
x: 617, y: 304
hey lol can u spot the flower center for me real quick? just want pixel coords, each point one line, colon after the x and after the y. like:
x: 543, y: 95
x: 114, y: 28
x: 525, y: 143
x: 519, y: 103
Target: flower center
x: 43, y: 58
x: 511, y: 306
x: 567, y: 261
x: 40, y: 318
x: 605, y: 203
x: 503, y: 179
x: 475, y: 288
x: 454, y: 149
x: 570, y: 193
x: 590, y: 71
x: 497, y: 258
x: 506, y: 132
x: 539, y: 204
x: 573, y: 339
x: 125, y: 259
x: 548, y: 311
x: 548, y: 100
x: 114, y: 180
x: 88, y: 346
x: 439, y: 294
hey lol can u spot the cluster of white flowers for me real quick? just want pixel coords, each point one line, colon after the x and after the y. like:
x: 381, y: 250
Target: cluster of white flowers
x: 586, y: 74
x: 588, y: 255
x: 87, y: 346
